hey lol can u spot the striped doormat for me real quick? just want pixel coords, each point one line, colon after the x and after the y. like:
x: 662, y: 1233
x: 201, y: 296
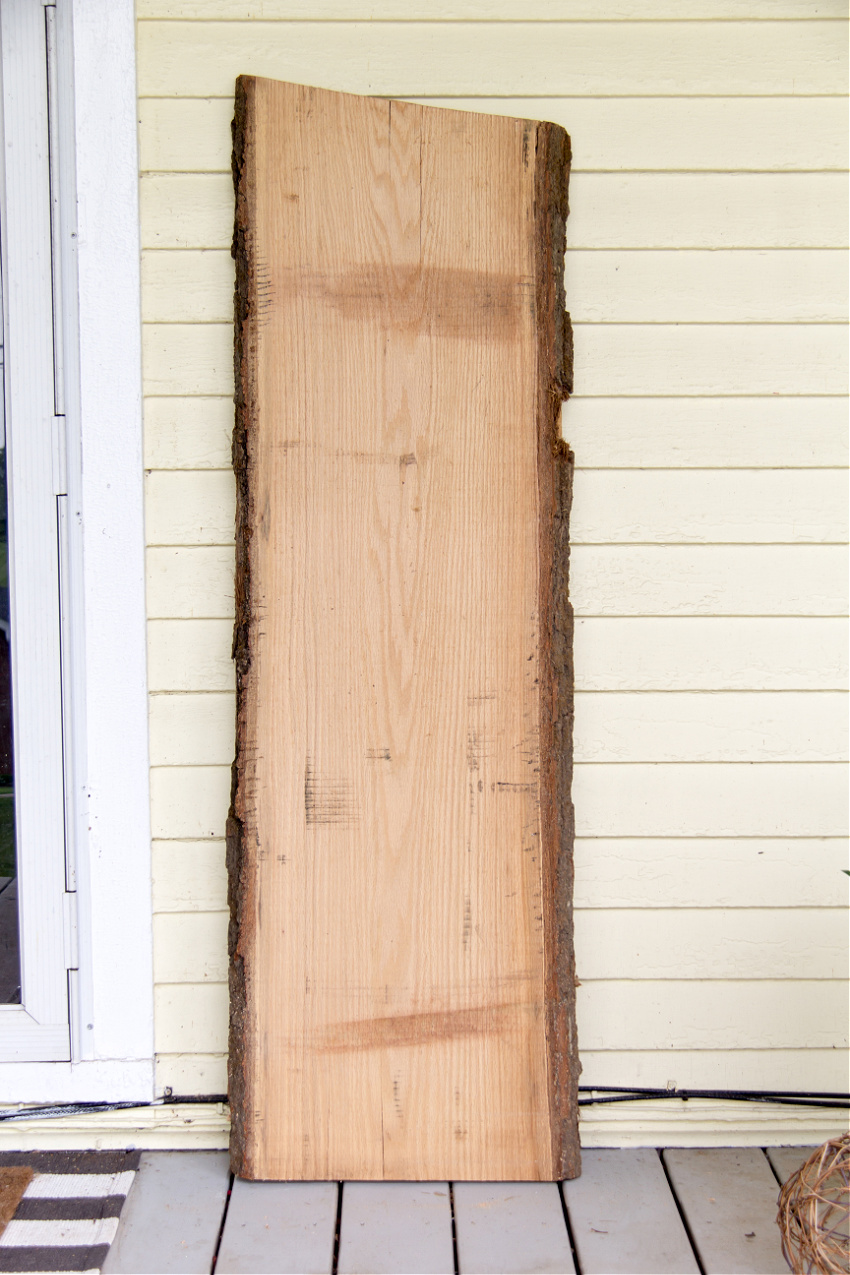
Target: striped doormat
x: 68, y: 1214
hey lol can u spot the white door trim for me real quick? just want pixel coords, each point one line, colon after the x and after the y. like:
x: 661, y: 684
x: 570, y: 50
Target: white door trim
x: 38, y: 1027
x: 104, y: 608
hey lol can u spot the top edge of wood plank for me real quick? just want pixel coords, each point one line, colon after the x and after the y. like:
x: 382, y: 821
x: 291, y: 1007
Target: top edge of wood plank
x: 409, y: 59
x: 492, y: 10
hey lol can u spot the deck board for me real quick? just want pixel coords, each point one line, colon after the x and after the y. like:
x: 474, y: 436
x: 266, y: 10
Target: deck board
x: 623, y: 1215
x: 624, y: 1218
x: 279, y: 1228
x: 172, y: 1217
x: 511, y: 1226
x: 728, y: 1195
x: 787, y: 1160
x: 396, y: 1228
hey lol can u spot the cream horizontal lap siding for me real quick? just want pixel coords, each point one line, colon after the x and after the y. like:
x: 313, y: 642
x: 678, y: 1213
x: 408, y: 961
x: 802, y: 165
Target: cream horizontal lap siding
x: 706, y: 273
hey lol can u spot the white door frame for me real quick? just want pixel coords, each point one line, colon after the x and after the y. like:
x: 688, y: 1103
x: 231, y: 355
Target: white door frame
x: 96, y: 232
x: 38, y: 1028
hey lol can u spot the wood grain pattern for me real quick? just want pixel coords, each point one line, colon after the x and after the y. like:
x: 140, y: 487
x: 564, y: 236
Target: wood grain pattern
x: 402, y: 979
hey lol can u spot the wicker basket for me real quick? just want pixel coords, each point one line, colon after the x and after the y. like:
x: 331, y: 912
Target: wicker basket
x: 814, y: 1212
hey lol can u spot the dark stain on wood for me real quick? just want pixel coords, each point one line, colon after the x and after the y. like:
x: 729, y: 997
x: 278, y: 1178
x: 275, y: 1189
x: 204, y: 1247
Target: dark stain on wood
x: 400, y: 1030
x: 458, y: 303
x: 327, y: 800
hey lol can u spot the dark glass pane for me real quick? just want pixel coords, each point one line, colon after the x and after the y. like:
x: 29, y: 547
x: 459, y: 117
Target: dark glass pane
x: 10, y: 964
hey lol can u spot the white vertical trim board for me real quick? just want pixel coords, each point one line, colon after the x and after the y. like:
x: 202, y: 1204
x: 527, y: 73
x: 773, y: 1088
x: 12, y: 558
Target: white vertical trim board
x: 38, y: 1027
x: 118, y: 818
x: 103, y: 606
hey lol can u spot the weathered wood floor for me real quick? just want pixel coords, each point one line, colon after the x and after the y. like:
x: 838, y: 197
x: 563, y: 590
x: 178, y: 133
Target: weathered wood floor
x: 631, y: 1211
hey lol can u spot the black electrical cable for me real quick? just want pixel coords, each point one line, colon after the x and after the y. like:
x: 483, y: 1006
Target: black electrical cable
x: 613, y: 1093
x: 782, y: 1097
x: 53, y: 1111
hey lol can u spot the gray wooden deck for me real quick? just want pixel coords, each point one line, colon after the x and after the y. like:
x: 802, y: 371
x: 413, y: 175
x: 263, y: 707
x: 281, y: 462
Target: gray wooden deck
x: 631, y: 1211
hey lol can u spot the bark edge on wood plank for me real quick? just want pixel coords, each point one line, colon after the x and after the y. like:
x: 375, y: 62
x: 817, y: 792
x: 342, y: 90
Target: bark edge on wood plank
x: 554, y: 477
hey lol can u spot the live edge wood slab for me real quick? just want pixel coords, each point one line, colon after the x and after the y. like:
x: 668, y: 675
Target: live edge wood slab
x: 400, y: 840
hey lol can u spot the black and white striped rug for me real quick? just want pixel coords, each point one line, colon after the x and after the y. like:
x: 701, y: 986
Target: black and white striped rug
x: 68, y: 1215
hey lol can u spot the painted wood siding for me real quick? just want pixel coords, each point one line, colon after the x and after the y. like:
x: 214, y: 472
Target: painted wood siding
x: 706, y: 273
